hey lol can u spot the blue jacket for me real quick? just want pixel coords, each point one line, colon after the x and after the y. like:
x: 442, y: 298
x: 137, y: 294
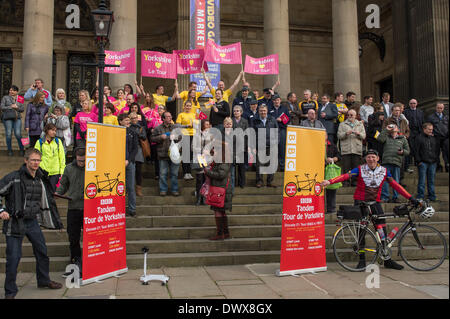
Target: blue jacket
x: 35, y: 115
x: 270, y: 123
x: 32, y: 93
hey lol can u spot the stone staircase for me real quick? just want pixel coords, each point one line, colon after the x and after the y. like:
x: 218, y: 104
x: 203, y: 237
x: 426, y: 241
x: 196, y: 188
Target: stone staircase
x: 176, y: 231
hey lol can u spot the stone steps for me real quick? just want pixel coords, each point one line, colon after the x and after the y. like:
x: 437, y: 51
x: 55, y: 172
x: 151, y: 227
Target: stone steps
x: 177, y: 232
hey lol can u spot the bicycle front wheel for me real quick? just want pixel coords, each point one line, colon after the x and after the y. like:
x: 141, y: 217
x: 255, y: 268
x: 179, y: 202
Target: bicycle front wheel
x: 355, y: 247
x: 423, y: 247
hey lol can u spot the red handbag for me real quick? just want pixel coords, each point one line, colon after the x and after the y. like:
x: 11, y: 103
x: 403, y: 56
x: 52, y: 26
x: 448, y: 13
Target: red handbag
x: 216, y: 196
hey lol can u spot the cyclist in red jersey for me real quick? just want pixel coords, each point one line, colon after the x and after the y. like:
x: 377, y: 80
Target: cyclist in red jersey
x: 370, y: 179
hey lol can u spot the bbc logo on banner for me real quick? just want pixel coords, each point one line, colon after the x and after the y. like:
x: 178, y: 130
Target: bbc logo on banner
x: 91, y: 150
x: 291, y: 152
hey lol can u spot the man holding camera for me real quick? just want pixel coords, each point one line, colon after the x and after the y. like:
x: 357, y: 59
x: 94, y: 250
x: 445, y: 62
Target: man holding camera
x: 38, y: 86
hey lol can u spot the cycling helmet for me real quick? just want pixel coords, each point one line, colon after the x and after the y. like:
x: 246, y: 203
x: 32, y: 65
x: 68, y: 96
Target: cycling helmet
x: 426, y: 211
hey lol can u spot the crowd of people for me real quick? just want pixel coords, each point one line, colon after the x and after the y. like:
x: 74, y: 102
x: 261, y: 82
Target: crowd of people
x: 401, y: 137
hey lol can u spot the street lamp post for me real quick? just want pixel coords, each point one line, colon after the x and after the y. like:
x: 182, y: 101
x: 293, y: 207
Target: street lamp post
x: 103, y: 20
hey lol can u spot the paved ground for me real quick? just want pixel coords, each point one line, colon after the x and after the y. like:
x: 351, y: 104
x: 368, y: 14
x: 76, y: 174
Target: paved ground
x: 256, y: 281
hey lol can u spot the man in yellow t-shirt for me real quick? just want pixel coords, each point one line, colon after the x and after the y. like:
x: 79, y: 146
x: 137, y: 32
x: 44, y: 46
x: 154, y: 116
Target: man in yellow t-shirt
x: 221, y: 85
x: 160, y: 99
x: 342, y: 108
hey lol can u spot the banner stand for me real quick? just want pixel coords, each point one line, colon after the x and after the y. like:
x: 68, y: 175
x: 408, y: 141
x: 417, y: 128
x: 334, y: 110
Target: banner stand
x: 299, y: 272
x: 102, y: 277
x: 303, y: 217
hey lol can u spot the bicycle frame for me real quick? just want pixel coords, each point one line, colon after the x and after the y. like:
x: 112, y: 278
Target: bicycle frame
x: 387, y: 244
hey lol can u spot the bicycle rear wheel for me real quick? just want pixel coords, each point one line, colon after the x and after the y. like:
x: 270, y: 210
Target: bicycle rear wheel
x: 423, y: 247
x: 352, y: 244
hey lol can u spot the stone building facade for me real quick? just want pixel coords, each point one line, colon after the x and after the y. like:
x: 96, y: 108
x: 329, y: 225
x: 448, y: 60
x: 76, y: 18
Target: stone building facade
x: 324, y: 45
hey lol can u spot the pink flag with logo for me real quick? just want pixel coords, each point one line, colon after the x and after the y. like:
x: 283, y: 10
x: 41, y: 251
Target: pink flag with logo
x: 190, y: 61
x: 261, y: 66
x: 228, y: 54
x: 158, y: 65
x: 20, y: 99
x: 125, y: 61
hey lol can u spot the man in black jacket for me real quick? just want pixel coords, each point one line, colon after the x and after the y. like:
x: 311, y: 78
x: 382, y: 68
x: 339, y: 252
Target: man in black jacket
x: 26, y: 203
x: 131, y: 150
x: 328, y: 116
x: 426, y: 157
x: 265, y: 127
x: 440, y: 130
x: 415, y: 121
x: 72, y: 184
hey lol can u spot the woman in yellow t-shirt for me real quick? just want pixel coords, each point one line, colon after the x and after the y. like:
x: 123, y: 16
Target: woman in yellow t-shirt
x: 160, y: 99
x: 187, y: 120
x: 109, y: 117
x: 120, y: 102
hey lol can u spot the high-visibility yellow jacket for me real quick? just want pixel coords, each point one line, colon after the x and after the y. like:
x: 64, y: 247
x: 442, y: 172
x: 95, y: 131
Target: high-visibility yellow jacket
x: 53, y: 156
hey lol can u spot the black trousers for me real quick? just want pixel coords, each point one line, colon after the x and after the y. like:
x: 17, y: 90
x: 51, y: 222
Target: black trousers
x: 330, y: 195
x: 350, y: 161
x: 259, y: 178
x: 74, y: 227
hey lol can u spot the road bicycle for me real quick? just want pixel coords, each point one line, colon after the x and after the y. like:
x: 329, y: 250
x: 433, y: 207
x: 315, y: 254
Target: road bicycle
x: 310, y: 184
x: 422, y: 247
x: 108, y: 185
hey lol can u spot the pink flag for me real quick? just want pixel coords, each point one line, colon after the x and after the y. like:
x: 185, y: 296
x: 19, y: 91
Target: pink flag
x: 228, y: 54
x: 202, y: 116
x: 190, y: 61
x: 125, y: 61
x: 158, y: 65
x: 20, y: 99
x: 261, y: 66
x: 284, y: 118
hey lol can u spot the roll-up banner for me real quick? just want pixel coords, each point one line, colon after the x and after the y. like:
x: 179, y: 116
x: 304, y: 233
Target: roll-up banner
x: 104, y: 237
x: 303, y: 220
x: 205, y: 24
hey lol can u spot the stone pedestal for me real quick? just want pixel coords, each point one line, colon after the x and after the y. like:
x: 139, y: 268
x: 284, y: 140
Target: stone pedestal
x: 346, y: 47
x: 123, y: 37
x: 37, y: 53
x: 276, y: 40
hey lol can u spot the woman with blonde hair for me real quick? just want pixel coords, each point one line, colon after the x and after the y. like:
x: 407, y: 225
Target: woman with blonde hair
x: 81, y: 120
x: 60, y: 100
x: 187, y: 120
x: 83, y: 95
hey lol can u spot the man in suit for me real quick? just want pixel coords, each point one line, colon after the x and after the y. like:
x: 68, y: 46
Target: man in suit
x: 263, y: 125
x: 387, y: 105
x: 277, y: 111
x: 415, y: 118
x: 328, y: 116
x: 440, y: 130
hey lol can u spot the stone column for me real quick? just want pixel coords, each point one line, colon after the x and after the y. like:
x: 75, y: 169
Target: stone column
x: 123, y: 37
x: 61, y: 70
x: 276, y: 40
x: 37, y: 54
x: 183, y: 38
x: 346, y: 47
x: 17, y: 67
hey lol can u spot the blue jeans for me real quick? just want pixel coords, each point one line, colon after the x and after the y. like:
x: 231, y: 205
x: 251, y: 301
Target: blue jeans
x: 395, y: 172
x: 168, y: 167
x: 14, y: 253
x: 426, y: 171
x: 130, y: 181
x: 11, y: 125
